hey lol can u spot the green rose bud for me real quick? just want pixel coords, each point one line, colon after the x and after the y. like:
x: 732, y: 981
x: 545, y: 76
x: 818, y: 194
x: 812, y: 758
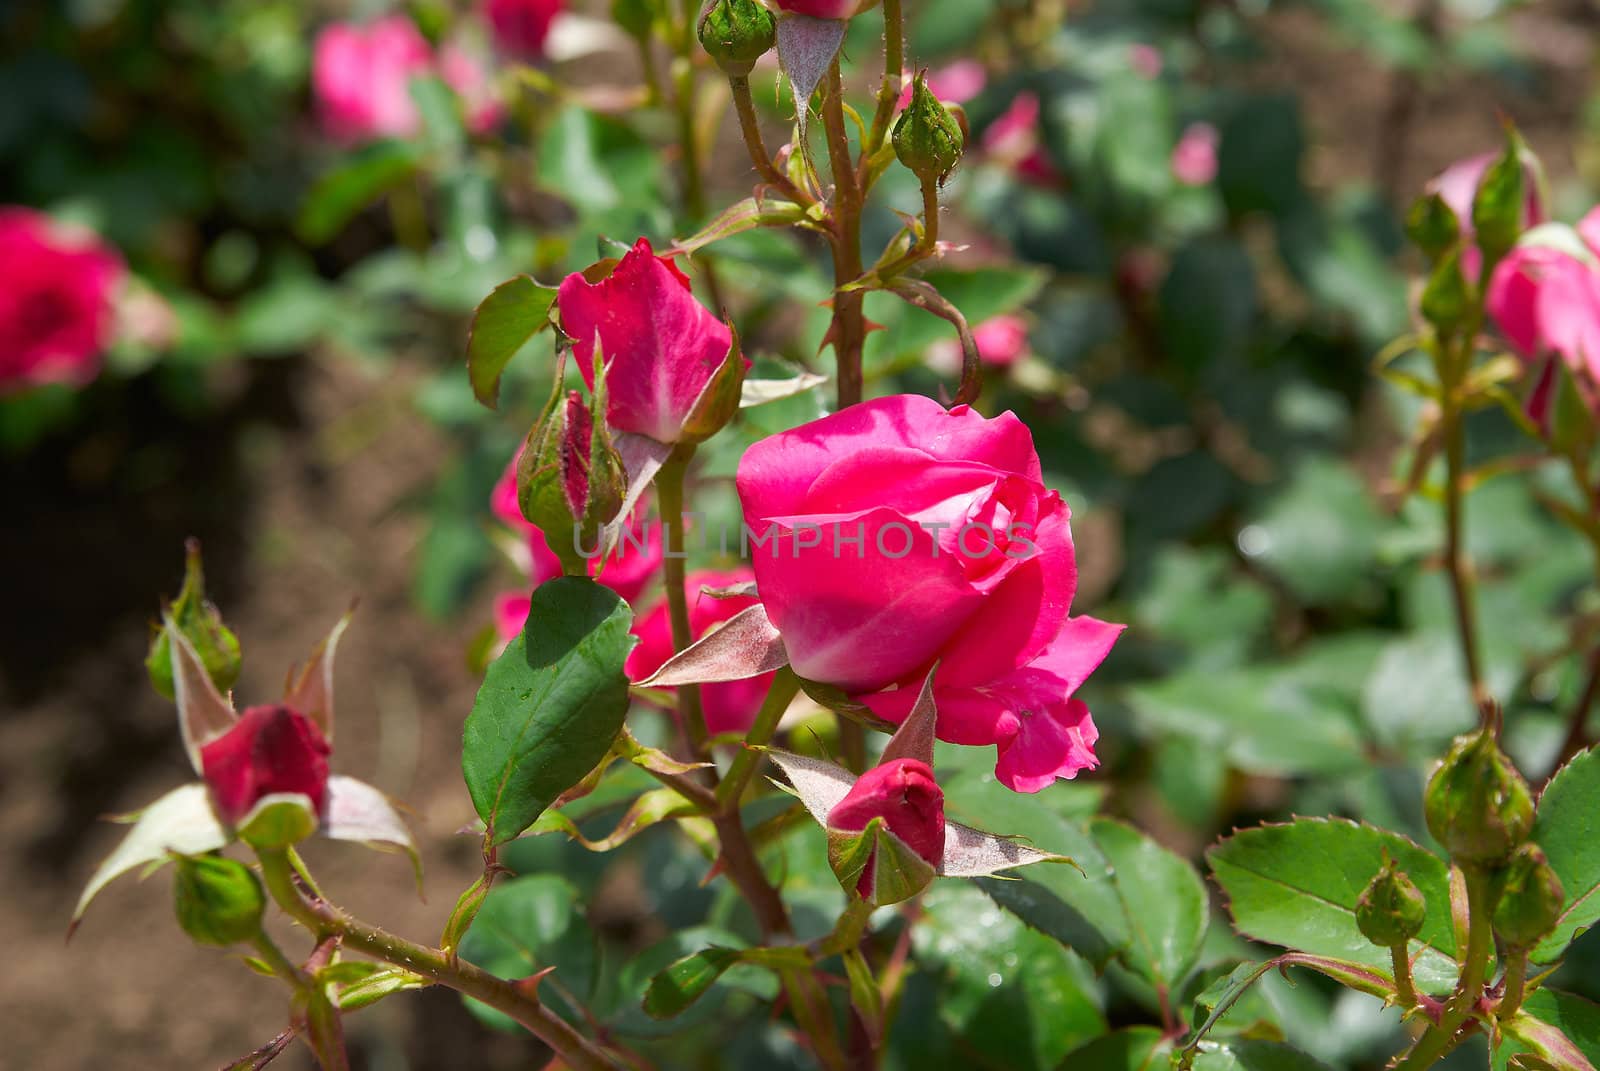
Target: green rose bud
x: 1391, y: 909
x: 1531, y: 899
x: 1447, y: 296
x: 1477, y: 804
x: 201, y: 625
x: 927, y: 137
x: 1431, y: 225
x: 736, y: 33
x: 218, y: 900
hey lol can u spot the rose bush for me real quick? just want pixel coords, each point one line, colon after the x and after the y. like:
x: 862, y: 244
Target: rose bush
x: 900, y: 536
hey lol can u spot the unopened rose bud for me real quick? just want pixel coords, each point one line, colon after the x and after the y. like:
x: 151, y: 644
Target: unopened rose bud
x: 1432, y: 226
x: 1477, y: 804
x: 218, y: 900
x: 927, y: 137
x: 570, y: 481
x: 1391, y: 909
x: 736, y: 33
x: 1447, y: 296
x: 1500, y: 205
x: 886, y: 837
x: 1531, y: 899
x: 269, y: 751
x: 202, y: 626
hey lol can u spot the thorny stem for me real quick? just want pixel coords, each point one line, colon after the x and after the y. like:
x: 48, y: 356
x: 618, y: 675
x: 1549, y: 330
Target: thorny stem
x: 1441, y: 1037
x: 273, y: 957
x: 893, y: 74
x: 849, y: 328
x: 324, y: 919
x: 669, y: 496
x: 750, y: 127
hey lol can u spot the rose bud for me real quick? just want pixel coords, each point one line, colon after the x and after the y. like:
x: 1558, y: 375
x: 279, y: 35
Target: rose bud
x: 570, y: 480
x: 736, y: 33
x: 672, y: 369
x: 886, y: 838
x: 202, y: 626
x: 269, y: 751
x: 1512, y: 205
x: 927, y: 137
x: 1391, y: 909
x: 218, y: 900
x: 1531, y: 898
x: 1477, y: 805
x: 57, y: 307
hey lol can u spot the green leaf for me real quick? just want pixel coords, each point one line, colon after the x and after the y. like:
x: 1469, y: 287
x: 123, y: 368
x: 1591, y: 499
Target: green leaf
x: 361, y: 179
x: 529, y: 924
x: 1138, y: 1048
x: 507, y: 320
x: 1163, y: 899
x: 1296, y: 885
x: 1254, y: 1056
x: 1320, y: 535
x: 550, y: 706
x: 1015, y: 996
x: 1555, y: 1024
x: 636, y: 977
x: 1568, y: 829
x: 686, y: 980
x: 1208, y: 303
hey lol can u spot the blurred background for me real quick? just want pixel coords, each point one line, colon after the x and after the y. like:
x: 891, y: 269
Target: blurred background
x: 1180, y: 223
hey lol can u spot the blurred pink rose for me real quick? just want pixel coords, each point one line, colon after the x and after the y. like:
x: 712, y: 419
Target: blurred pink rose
x: 899, y: 535
x: 1001, y: 340
x: 1546, y: 301
x: 1145, y: 60
x: 269, y: 750
x: 361, y: 77
x: 955, y: 84
x: 521, y: 26
x: 661, y: 346
x: 1194, y: 158
x: 729, y: 707
x: 1013, y: 141
x: 905, y: 795
x: 57, y: 301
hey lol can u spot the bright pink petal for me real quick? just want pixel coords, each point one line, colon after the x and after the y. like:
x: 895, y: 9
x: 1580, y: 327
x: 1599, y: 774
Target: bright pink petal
x: 57, y: 301
x: 1052, y: 743
x: 510, y: 614
x: 270, y: 749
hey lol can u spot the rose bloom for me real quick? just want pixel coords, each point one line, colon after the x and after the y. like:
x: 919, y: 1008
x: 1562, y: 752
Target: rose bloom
x: 628, y: 570
x: 361, y: 77
x: 1001, y: 342
x: 661, y: 346
x: 894, y: 535
x: 730, y: 706
x: 824, y: 9
x: 905, y: 795
x: 1194, y: 157
x: 1546, y: 302
x: 521, y: 26
x: 269, y: 750
x: 57, y: 301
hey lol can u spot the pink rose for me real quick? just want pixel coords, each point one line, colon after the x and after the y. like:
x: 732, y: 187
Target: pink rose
x: 57, y: 301
x: 955, y: 84
x: 1013, y: 141
x: 904, y: 794
x: 270, y: 749
x: 470, y: 78
x: 361, y: 77
x: 730, y: 707
x: 1546, y: 301
x: 1145, y: 60
x: 521, y: 26
x: 824, y: 9
x: 1001, y: 341
x: 893, y: 535
x: 662, y: 347
x: 1194, y: 158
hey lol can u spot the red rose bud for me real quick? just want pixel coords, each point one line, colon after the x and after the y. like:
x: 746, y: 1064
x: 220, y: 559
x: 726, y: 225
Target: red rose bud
x: 887, y: 835
x: 271, y: 750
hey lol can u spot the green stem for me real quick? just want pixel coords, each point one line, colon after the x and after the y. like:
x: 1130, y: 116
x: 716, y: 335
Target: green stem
x: 815, y: 1015
x: 1516, y: 983
x: 1405, y: 992
x: 782, y: 692
x: 1453, y: 355
x: 323, y: 919
x: 669, y: 498
x: 750, y: 127
x: 930, y: 215
x: 894, y: 62
x: 273, y: 957
x: 1441, y: 1037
